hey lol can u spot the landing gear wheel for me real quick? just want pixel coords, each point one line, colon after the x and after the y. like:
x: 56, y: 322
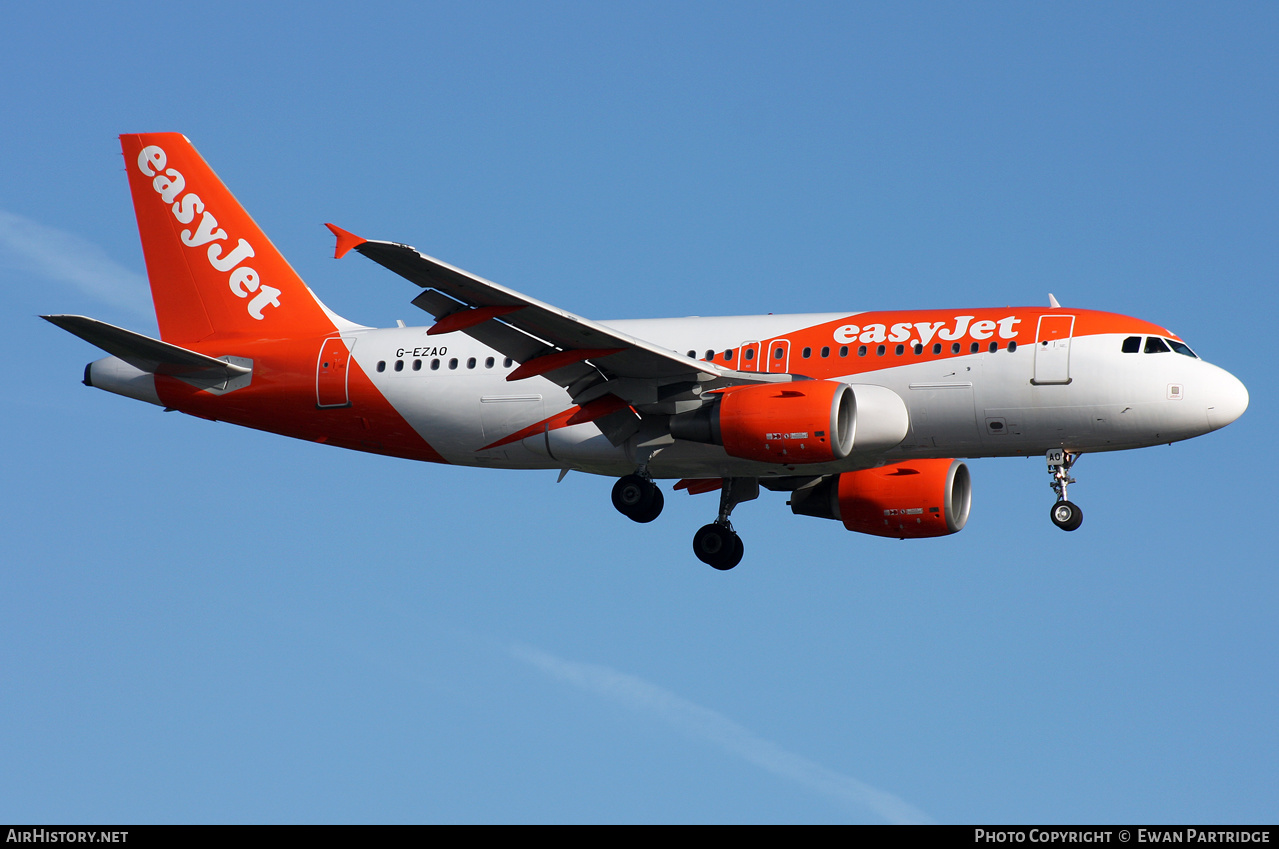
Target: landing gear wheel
x: 654, y: 508
x: 1067, y: 516
x: 718, y: 546
x: 637, y: 498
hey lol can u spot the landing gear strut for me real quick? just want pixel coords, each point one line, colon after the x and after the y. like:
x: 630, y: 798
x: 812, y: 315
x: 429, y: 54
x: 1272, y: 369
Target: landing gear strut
x: 1065, y: 514
x: 637, y: 498
x: 717, y: 544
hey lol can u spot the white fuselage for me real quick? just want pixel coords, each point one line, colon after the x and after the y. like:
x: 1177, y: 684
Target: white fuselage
x: 454, y: 392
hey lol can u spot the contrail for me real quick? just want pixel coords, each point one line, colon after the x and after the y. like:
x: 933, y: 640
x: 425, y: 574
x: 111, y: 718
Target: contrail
x: 66, y: 258
x: 696, y: 721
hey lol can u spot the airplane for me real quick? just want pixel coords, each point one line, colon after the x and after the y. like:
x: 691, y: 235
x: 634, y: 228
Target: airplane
x: 860, y: 417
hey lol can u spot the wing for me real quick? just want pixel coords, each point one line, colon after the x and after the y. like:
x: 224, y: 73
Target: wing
x: 589, y: 359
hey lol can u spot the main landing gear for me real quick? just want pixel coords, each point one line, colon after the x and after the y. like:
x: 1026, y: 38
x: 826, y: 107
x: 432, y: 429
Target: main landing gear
x: 717, y: 544
x: 1065, y: 514
x: 637, y: 498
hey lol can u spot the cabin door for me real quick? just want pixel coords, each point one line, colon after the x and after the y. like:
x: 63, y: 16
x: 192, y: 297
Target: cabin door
x: 1052, y: 349
x: 331, y: 373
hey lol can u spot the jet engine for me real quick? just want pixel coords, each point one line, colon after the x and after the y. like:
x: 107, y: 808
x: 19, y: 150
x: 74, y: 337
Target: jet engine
x: 908, y: 500
x: 805, y: 421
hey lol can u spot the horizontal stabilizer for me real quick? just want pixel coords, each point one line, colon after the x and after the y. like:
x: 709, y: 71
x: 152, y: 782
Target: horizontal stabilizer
x: 143, y: 352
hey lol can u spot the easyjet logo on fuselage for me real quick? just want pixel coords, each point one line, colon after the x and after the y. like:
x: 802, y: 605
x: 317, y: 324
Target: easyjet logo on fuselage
x: 923, y: 332
x: 243, y: 280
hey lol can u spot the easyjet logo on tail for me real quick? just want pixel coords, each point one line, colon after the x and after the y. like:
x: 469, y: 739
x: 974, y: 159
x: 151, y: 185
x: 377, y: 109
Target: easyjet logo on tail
x: 243, y: 280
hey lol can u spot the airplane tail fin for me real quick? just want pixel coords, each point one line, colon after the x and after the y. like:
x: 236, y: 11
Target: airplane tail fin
x: 214, y: 273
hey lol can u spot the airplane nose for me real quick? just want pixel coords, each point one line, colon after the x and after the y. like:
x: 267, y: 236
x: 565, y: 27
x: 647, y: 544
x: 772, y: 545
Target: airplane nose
x: 1227, y: 401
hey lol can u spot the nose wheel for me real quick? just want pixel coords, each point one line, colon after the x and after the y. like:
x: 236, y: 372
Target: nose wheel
x: 638, y: 498
x: 1065, y: 514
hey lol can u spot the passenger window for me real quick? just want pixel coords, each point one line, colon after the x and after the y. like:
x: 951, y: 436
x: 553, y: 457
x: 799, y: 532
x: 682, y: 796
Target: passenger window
x: 975, y: 347
x: 919, y: 349
x: 1155, y: 345
x: 1012, y: 346
x: 778, y: 353
x: 994, y: 346
x: 879, y: 352
x: 954, y: 349
x: 861, y: 350
x: 728, y: 356
x: 435, y: 365
x: 750, y: 353
x: 936, y: 347
x: 692, y: 355
x: 417, y: 365
x: 1132, y: 345
x: 399, y: 365
x: 470, y: 362
x: 488, y: 362
x: 453, y: 362
x: 710, y: 355
x: 808, y: 352
x: 381, y: 365
x: 843, y: 350
x: 900, y: 349
x: 825, y: 351
x: 506, y: 363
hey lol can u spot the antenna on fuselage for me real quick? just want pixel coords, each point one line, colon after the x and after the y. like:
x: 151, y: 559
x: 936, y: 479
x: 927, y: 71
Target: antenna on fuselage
x: 1052, y: 301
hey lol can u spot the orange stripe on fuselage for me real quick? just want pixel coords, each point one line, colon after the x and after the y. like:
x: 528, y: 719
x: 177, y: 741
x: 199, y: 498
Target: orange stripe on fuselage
x: 554, y: 422
x: 282, y: 399
x: 928, y: 328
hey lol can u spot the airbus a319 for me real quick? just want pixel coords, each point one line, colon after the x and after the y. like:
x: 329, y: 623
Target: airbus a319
x: 859, y: 417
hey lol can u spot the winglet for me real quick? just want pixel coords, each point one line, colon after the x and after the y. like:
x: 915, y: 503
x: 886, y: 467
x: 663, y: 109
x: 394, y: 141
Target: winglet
x: 346, y: 240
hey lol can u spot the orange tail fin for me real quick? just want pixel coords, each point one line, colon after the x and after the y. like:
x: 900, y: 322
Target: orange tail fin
x: 213, y: 272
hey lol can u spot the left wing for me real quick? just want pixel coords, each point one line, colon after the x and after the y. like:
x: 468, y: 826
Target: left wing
x: 589, y: 359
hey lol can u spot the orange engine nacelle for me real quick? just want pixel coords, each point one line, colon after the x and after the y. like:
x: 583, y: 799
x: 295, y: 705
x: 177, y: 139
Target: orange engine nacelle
x: 909, y: 500
x: 809, y: 421
x: 804, y: 422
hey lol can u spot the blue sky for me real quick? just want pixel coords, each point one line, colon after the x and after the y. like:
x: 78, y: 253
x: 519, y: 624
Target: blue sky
x: 205, y: 624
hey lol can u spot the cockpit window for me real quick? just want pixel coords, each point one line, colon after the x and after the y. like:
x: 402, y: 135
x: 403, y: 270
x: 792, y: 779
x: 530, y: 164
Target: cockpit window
x: 1155, y: 345
x: 1181, y: 348
x: 1132, y: 345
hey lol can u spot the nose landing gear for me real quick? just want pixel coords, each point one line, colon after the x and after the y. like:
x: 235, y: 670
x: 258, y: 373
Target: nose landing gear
x: 1065, y: 514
